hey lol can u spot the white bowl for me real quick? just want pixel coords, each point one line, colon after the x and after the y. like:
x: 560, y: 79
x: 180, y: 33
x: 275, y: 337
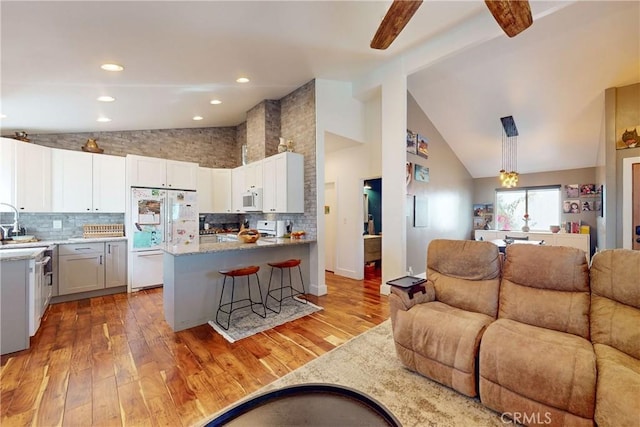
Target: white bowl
x: 22, y: 238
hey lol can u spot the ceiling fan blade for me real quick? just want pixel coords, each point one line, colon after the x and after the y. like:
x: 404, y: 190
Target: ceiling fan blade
x: 513, y: 16
x: 397, y: 17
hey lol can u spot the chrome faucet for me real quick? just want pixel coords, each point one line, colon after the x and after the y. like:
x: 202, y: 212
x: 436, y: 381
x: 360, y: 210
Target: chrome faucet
x: 15, y: 225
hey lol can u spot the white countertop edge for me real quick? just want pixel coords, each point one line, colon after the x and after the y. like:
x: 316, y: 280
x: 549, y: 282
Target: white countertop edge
x: 68, y: 241
x: 208, y: 248
x: 19, y: 254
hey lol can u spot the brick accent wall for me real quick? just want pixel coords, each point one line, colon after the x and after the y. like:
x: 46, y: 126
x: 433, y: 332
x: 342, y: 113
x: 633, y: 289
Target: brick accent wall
x: 210, y: 147
x: 263, y: 130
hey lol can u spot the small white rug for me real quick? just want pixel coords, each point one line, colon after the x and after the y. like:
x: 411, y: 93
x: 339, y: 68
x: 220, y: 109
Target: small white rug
x: 245, y: 322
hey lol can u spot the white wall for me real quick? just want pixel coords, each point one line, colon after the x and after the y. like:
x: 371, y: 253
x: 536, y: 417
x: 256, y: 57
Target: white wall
x: 449, y: 192
x: 354, y: 156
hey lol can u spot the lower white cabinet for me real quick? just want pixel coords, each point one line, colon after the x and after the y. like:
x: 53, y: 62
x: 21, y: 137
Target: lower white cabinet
x: 115, y: 256
x: 146, y: 269
x: 86, y: 267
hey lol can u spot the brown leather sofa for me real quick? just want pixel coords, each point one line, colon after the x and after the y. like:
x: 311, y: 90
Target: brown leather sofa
x: 437, y: 334
x: 615, y: 333
x: 537, y: 364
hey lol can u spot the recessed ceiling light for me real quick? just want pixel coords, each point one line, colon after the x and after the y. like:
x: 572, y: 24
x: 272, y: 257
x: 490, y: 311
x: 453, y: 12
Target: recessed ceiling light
x: 103, y: 119
x: 216, y: 101
x: 197, y: 117
x: 242, y: 80
x: 106, y: 98
x: 112, y: 67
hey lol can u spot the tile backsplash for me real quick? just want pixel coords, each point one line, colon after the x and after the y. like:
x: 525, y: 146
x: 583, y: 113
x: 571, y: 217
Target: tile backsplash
x: 41, y: 224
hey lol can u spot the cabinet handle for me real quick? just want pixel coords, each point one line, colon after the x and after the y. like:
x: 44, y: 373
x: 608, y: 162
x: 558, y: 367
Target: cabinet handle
x: 21, y: 209
x: 82, y: 249
x: 88, y: 209
x: 100, y: 259
x: 109, y: 248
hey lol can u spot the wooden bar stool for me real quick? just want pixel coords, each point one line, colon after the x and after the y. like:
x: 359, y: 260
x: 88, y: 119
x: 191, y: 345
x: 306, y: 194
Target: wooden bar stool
x: 288, y: 264
x: 239, y: 272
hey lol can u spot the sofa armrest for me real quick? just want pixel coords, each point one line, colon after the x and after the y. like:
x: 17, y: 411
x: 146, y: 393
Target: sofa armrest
x: 405, y: 303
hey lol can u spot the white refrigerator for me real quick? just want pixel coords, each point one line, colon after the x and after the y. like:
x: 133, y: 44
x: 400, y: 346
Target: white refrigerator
x: 158, y: 218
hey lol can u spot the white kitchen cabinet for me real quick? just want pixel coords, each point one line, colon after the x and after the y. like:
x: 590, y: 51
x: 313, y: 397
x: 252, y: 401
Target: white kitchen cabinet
x: 109, y: 186
x: 146, y: 269
x: 84, y: 267
x: 283, y: 183
x: 238, y: 189
x: 253, y: 175
x: 71, y: 182
x: 80, y: 268
x: 115, y: 262
x: 25, y: 174
x: 221, y: 185
x: 160, y: 173
x: 205, y: 190
x: 182, y: 175
x: 87, y: 182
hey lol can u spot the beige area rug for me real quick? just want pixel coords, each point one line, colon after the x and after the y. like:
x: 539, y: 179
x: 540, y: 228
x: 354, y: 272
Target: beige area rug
x: 368, y: 363
x: 245, y: 322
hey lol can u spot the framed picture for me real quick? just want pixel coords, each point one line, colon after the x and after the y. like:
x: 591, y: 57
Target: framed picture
x: 628, y: 138
x: 421, y: 173
x: 422, y: 146
x: 571, y: 206
x: 411, y: 142
x: 572, y: 190
x: 588, y: 190
x: 409, y: 173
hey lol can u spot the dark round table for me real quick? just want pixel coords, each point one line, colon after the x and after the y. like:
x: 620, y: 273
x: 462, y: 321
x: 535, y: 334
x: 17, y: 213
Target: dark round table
x: 308, y: 405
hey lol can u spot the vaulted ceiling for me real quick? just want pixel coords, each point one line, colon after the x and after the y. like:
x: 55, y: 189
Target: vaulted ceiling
x: 180, y: 55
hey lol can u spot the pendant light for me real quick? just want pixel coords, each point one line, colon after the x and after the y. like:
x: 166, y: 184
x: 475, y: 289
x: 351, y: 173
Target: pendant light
x: 508, y: 174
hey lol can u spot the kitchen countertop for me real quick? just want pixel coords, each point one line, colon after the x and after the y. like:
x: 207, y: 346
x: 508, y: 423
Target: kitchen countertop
x: 17, y: 254
x: 204, y: 248
x: 68, y: 241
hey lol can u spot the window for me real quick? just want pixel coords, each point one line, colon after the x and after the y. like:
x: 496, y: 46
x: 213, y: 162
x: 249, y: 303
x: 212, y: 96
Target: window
x: 542, y: 203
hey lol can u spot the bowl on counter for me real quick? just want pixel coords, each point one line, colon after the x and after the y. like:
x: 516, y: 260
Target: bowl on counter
x: 554, y: 228
x: 249, y: 235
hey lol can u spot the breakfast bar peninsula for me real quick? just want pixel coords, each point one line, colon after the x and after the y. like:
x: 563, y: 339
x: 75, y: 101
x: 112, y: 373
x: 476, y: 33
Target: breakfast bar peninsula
x: 193, y: 284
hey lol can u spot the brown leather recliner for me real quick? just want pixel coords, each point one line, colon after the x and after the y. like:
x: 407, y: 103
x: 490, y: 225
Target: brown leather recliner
x: 537, y: 364
x: 437, y: 334
x: 615, y: 333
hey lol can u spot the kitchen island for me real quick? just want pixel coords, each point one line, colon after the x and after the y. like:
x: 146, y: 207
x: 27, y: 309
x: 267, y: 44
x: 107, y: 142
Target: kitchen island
x: 192, y: 284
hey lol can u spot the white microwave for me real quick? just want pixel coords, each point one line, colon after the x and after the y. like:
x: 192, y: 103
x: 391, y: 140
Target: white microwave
x: 252, y: 200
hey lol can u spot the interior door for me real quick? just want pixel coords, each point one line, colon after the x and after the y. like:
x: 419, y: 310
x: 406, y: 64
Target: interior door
x: 631, y: 203
x: 635, y: 229
x: 330, y: 224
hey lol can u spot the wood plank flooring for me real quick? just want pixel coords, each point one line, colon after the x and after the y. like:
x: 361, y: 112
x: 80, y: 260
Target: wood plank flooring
x: 114, y: 361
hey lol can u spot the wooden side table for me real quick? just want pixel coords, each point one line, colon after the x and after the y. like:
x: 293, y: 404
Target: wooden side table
x: 410, y: 284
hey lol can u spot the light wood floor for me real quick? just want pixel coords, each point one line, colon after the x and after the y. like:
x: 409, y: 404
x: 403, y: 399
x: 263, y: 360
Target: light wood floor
x: 114, y: 360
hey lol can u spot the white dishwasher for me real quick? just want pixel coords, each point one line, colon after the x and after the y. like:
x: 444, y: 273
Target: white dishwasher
x: 146, y: 269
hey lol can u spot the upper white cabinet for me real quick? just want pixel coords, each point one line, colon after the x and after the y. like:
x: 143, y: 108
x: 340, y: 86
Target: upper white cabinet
x: 221, y: 185
x: 214, y: 190
x: 109, y: 191
x: 205, y: 190
x: 238, y: 188
x: 25, y: 172
x: 182, y: 175
x: 161, y: 173
x: 87, y: 182
x: 253, y: 175
x: 283, y: 183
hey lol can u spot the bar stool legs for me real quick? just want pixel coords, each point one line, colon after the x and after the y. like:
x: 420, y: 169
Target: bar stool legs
x: 230, y: 307
x: 289, y: 264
